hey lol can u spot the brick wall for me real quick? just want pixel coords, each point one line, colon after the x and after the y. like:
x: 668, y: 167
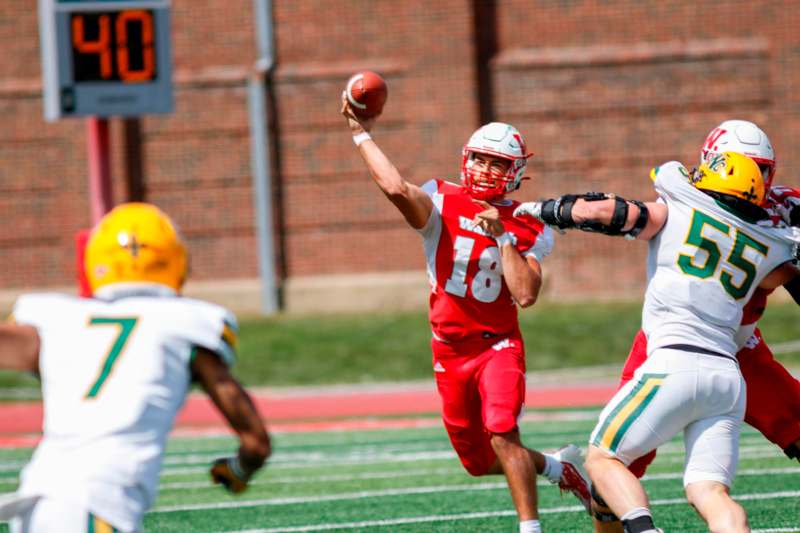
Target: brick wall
x: 605, y: 91
x: 602, y: 91
x: 336, y: 221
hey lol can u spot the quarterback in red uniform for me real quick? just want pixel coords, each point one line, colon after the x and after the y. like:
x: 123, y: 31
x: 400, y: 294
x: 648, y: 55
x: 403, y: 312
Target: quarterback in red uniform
x: 482, y: 263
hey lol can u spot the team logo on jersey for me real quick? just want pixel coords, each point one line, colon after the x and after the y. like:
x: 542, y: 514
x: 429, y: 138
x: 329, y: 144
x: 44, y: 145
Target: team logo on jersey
x: 466, y: 223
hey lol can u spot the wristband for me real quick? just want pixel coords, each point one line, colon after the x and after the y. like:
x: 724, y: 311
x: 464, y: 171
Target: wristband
x: 361, y: 137
x: 504, y: 239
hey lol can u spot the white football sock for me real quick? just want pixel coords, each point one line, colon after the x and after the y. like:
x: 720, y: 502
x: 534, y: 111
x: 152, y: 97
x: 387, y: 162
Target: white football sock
x: 636, y: 512
x: 530, y: 526
x: 552, y: 468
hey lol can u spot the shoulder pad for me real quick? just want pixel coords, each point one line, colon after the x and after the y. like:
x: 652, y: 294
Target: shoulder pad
x: 430, y: 186
x: 209, y: 326
x: 30, y: 308
x: 669, y: 175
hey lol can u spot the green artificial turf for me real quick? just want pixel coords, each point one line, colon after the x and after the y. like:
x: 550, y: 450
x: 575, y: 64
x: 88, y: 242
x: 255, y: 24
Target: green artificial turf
x: 409, y: 480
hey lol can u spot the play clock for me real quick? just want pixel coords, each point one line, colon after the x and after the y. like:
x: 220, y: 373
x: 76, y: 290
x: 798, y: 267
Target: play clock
x: 105, y: 57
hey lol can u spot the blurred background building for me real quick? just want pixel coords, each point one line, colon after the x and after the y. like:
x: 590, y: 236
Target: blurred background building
x: 602, y: 91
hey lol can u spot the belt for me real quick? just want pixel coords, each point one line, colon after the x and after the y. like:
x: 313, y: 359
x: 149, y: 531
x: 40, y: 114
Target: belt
x: 697, y: 349
x: 483, y: 335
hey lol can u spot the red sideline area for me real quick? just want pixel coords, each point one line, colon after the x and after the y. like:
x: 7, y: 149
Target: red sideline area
x: 21, y: 422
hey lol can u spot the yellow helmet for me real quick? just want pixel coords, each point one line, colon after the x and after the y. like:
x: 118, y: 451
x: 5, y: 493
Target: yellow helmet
x: 135, y: 242
x: 733, y: 175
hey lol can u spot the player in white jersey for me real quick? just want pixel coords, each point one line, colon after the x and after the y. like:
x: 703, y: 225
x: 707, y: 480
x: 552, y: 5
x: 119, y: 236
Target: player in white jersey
x: 115, y: 369
x: 708, y: 253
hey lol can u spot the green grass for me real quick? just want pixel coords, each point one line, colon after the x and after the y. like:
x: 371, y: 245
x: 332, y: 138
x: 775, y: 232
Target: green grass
x: 292, y: 350
x: 325, y: 478
x: 396, y: 347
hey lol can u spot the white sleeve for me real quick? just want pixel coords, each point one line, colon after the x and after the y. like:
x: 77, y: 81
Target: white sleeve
x: 211, y: 327
x: 430, y: 187
x: 543, y: 245
x: 670, y: 178
x: 35, y: 309
x: 432, y: 225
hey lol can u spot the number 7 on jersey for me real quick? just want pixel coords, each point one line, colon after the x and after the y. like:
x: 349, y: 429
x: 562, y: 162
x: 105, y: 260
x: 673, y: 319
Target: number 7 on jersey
x: 126, y: 326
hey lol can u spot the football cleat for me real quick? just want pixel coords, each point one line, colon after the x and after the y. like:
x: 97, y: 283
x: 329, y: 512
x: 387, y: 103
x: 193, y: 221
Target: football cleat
x: 573, y: 476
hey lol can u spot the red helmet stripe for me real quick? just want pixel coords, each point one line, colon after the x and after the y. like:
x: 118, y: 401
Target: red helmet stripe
x: 713, y: 137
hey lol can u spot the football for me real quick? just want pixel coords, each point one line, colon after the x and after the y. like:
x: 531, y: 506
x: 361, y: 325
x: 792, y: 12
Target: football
x: 366, y: 92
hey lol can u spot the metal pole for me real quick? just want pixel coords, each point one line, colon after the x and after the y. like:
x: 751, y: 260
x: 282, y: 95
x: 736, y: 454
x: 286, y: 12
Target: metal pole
x: 260, y: 156
x: 99, y: 151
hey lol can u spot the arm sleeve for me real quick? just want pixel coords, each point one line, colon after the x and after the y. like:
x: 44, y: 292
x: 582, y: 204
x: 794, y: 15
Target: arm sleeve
x: 33, y: 309
x: 669, y: 178
x: 213, y: 328
x: 431, y: 188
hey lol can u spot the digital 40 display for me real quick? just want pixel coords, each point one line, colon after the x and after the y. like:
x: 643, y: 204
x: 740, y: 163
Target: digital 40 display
x: 105, y: 58
x: 113, y: 46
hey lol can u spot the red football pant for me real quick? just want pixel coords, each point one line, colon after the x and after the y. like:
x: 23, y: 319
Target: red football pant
x: 773, y: 394
x: 482, y: 387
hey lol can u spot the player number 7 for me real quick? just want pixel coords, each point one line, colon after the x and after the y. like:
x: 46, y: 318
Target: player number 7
x: 126, y: 326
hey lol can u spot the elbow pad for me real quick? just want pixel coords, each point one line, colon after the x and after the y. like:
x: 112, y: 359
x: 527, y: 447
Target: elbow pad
x: 558, y: 213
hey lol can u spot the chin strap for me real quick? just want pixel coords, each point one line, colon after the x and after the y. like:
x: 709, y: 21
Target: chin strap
x: 558, y: 213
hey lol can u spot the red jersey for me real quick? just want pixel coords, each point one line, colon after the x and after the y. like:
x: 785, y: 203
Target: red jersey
x: 469, y: 297
x: 779, y: 203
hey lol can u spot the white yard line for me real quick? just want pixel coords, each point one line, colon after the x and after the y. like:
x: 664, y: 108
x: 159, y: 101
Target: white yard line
x: 397, y: 474
x: 197, y: 462
x: 785, y: 347
x: 394, y: 522
x: 743, y: 472
x: 360, y: 495
x: 490, y: 514
x: 330, y: 498
x: 295, y: 480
